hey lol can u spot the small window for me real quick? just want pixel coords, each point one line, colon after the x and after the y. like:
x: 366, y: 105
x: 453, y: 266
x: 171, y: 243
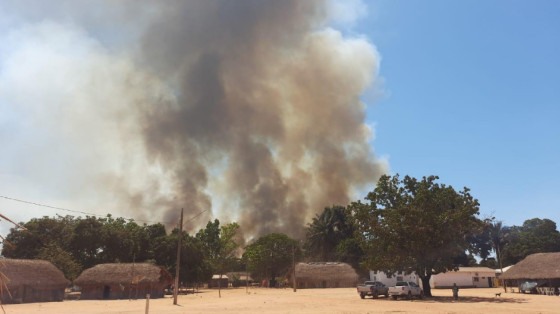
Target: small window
x: 475, y: 279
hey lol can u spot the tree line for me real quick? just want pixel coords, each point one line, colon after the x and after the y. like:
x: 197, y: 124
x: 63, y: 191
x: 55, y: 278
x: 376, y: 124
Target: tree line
x: 408, y: 224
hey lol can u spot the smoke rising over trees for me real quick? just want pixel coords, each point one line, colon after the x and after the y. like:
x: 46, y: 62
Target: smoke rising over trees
x: 248, y: 109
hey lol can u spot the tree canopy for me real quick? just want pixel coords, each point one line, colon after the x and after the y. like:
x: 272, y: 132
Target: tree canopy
x: 271, y: 255
x: 415, y: 226
x: 534, y: 236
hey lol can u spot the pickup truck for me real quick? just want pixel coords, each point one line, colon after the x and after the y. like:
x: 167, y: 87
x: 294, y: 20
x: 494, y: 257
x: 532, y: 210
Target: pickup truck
x: 406, y: 289
x: 373, y: 288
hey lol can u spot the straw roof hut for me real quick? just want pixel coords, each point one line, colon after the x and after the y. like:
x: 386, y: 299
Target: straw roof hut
x: 325, y: 275
x: 122, y: 281
x: 32, y: 281
x: 216, y: 282
x: 545, y: 266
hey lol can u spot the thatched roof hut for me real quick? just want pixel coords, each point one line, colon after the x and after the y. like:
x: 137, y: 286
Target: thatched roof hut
x: 325, y: 275
x: 536, y: 267
x: 122, y: 281
x: 216, y: 282
x: 32, y: 281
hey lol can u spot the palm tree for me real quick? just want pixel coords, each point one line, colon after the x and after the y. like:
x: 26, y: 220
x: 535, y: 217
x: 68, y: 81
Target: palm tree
x: 498, y: 236
x: 497, y: 239
x: 326, y: 230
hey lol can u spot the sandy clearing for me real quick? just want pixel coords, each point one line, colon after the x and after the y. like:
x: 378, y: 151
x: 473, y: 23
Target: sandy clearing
x: 342, y: 300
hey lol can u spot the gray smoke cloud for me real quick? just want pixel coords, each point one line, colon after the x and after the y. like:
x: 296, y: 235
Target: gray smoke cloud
x: 246, y: 110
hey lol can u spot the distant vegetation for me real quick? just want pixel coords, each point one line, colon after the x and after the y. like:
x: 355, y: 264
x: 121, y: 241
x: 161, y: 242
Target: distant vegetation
x: 404, y: 225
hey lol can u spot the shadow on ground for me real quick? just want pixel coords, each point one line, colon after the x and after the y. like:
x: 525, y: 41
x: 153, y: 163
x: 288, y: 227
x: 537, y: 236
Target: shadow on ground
x: 461, y: 300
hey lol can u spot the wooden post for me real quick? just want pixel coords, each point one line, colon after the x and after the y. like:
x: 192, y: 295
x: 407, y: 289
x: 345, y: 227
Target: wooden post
x: 294, y: 282
x: 147, y: 303
x: 247, y: 276
x: 177, y: 266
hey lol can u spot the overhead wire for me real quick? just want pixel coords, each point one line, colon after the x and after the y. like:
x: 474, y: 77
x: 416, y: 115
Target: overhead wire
x: 88, y: 213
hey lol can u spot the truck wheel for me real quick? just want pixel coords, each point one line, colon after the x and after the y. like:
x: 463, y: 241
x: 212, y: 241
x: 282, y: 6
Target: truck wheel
x: 394, y: 297
x: 362, y: 295
x: 409, y: 295
x: 375, y: 294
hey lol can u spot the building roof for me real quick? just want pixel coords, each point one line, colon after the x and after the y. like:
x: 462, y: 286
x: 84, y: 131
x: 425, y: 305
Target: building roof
x: 535, y: 266
x: 241, y: 275
x: 499, y: 271
x: 124, y: 273
x: 325, y: 271
x: 36, y: 273
x: 475, y: 270
x: 218, y: 277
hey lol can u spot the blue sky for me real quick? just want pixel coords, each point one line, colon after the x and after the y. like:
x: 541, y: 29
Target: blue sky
x: 467, y: 90
x: 472, y: 94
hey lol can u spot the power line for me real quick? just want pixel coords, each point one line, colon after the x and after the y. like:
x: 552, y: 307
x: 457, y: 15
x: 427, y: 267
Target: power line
x: 92, y: 214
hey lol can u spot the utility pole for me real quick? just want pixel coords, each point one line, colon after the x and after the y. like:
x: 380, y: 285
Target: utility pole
x: 176, y: 288
x: 247, y: 276
x: 294, y: 266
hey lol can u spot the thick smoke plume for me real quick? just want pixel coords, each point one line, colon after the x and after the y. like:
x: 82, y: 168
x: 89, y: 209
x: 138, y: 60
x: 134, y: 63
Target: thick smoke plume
x: 249, y: 110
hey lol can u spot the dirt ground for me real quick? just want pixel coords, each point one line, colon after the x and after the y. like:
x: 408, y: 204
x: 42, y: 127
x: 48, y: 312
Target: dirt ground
x: 341, y: 300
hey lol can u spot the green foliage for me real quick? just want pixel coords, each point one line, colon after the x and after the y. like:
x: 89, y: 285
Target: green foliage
x: 535, y: 236
x: 412, y: 225
x: 219, y: 246
x: 73, y: 244
x: 225, y: 257
x: 326, y: 231
x: 271, y: 255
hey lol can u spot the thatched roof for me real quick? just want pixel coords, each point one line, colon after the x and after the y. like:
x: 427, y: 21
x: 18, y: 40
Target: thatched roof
x: 535, y: 266
x: 325, y: 271
x: 36, y: 273
x: 123, y: 273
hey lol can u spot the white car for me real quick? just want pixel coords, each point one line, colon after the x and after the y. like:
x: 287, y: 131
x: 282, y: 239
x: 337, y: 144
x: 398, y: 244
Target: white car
x: 406, y: 289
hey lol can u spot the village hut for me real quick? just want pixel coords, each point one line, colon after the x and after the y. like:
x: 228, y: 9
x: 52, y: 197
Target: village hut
x: 541, y: 267
x: 216, y: 281
x: 324, y: 275
x: 32, y: 281
x: 239, y: 278
x: 123, y: 281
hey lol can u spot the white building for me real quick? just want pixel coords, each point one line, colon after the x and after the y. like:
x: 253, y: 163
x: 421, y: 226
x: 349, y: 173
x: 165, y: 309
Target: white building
x: 391, y: 279
x: 467, y: 277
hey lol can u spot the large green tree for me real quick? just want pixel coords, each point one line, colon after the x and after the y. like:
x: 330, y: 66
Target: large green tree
x: 194, y: 268
x: 534, y: 236
x: 271, y: 255
x: 416, y: 226
x: 220, y: 246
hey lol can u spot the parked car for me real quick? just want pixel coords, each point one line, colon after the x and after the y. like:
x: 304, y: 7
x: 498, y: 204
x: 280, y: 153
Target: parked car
x: 406, y: 289
x: 373, y: 288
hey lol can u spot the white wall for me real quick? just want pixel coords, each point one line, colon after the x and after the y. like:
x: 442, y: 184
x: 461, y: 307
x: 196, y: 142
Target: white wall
x: 462, y: 279
x: 392, y: 280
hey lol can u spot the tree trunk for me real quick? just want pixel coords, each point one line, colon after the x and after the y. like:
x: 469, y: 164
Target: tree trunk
x: 426, y: 285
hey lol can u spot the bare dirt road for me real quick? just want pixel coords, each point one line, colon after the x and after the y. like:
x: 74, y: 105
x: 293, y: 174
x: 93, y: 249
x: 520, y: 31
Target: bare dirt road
x: 341, y: 300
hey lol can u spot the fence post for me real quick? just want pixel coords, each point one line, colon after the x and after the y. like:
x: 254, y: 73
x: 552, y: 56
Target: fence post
x: 147, y: 303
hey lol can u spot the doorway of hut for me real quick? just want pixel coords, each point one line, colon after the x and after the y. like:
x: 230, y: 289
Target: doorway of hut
x: 106, y: 292
x: 324, y: 284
